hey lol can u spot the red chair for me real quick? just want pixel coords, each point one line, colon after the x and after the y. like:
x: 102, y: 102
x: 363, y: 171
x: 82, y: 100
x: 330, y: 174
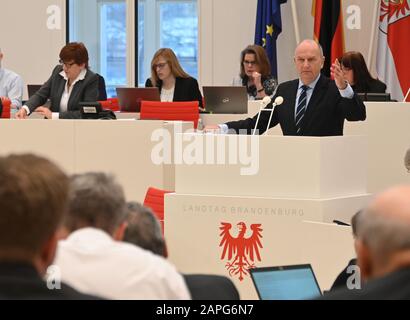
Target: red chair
x: 182, y: 111
x: 110, y: 104
x: 154, y: 199
x: 6, y: 107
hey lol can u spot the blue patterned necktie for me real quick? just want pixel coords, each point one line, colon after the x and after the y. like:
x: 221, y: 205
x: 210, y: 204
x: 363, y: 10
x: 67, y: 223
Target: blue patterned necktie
x: 301, y: 109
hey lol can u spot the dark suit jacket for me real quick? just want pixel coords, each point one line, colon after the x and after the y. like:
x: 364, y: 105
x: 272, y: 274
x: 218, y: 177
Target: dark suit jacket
x: 325, y: 113
x: 394, y: 286
x: 186, y: 89
x: 83, y: 91
x: 21, y: 281
x: 210, y: 287
x: 374, y: 86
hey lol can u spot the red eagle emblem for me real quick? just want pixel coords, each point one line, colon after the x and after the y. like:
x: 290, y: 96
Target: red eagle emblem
x: 390, y: 8
x: 243, y: 251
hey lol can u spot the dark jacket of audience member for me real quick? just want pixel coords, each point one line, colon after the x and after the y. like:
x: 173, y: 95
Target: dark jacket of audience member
x: 33, y: 199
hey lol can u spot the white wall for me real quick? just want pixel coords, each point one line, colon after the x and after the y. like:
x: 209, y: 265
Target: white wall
x: 225, y: 28
x: 29, y: 46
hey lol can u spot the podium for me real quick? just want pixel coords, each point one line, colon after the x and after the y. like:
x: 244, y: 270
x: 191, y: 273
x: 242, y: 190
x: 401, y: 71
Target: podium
x: 282, y: 193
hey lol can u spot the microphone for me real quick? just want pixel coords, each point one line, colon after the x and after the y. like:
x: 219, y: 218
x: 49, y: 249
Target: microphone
x: 266, y: 101
x: 407, y: 160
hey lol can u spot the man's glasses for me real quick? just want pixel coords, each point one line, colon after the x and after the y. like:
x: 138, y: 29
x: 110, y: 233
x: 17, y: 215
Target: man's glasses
x: 249, y: 63
x: 66, y: 64
x: 160, y: 65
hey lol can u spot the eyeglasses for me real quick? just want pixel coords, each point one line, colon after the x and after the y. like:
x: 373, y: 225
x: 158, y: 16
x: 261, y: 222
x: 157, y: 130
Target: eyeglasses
x: 66, y: 64
x: 249, y: 63
x: 159, y: 65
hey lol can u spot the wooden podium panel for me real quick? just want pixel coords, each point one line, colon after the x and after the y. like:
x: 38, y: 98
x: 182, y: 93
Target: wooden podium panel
x: 273, y: 166
x: 193, y: 234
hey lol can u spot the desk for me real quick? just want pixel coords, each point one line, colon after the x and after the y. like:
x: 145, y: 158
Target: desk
x: 122, y: 148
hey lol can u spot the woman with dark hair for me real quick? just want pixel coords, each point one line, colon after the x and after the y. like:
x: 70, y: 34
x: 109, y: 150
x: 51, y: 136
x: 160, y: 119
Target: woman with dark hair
x: 173, y: 82
x: 358, y: 75
x: 255, y: 73
x: 70, y: 83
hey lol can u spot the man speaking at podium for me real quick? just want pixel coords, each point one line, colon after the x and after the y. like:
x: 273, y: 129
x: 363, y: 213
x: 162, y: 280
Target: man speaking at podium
x: 313, y: 105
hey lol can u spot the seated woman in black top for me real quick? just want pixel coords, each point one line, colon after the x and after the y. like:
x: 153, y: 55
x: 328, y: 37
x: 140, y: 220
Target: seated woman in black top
x: 255, y: 73
x: 173, y: 82
x: 358, y: 75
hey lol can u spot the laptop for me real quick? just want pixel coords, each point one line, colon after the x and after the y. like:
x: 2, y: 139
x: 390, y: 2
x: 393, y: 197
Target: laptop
x: 226, y: 100
x: 130, y: 98
x: 297, y: 282
x: 32, y: 89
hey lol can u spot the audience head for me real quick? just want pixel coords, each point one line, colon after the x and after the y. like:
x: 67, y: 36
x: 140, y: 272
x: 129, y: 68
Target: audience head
x: 74, y: 59
x: 383, y: 233
x: 165, y: 65
x: 33, y: 201
x: 1, y: 56
x: 309, y: 60
x: 254, y: 59
x: 144, y: 229
x: 355, y: 70
x: 96, y: 200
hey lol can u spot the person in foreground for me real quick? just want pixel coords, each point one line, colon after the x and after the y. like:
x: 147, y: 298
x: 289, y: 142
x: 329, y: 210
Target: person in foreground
x: 33, y: 200
x: 70, y: 83
x: 174, y: 84
x: 313, y: 105
x: 144, y: 230
x: 93, y: 257
x: 383, y: 248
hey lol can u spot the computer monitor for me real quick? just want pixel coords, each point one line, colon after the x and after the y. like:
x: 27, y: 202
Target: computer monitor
x: 226, y: 100
x: 297, y: 282
x: 130, y: 98
x: 375, y: 97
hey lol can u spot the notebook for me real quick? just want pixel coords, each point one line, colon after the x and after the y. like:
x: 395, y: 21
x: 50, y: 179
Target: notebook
x: 297, y: 282
x: 130, y: 98
x: 226, y: 100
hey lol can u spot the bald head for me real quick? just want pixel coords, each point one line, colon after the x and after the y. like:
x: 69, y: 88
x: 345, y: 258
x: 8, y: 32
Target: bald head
x: 383, y: 233
x: 309, y: 60
x: 393, y: 204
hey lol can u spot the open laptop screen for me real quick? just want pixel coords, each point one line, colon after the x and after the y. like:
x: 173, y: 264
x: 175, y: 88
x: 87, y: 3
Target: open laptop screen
x: 286, y: 283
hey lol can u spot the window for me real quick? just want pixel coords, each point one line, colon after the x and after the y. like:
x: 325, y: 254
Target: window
x: 102, y: 26
x: 170, y: 24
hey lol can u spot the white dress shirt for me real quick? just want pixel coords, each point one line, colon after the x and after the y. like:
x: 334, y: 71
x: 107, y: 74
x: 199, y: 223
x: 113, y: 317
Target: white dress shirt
x: 92, y: 262
x: 11, y: 86
x: 167, y: 95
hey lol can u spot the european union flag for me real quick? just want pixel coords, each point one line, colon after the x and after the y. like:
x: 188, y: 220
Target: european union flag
x: 268, y: 28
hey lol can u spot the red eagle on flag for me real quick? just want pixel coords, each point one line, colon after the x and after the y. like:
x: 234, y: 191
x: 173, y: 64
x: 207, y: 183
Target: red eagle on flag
x: 393, y: 64
x: 244, y: 251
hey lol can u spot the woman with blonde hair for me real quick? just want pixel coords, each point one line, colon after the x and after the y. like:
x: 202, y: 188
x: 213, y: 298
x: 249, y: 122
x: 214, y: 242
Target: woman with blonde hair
x: 173, y: 82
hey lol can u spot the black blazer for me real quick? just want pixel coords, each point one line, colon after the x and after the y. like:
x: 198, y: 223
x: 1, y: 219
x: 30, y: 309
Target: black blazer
x: 374, y: 86
x: 83, y: 91
x: 186, y: 89
x: 21, y: 281
x: 394, y: 286
x: 324, y: 116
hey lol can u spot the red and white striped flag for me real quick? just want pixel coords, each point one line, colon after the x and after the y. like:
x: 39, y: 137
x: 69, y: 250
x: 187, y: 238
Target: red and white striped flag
x: 393, y: 63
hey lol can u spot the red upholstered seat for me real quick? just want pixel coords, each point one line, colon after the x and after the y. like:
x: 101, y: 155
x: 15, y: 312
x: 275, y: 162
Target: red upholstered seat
x: 178, y: 111
x: 154, y: 199
x: 6, y: 107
